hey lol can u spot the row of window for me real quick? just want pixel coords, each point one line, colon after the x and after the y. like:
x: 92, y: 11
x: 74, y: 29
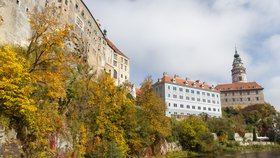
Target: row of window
x: 116, y: 75
x: 240, y: 99
x: 194, y: 99
x: 194, y: 107
x: 240, y: 93
x: 187, y: 114
x: 192, y: 91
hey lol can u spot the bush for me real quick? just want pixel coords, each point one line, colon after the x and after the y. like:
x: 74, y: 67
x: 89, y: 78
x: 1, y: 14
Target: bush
x: 105, y: 150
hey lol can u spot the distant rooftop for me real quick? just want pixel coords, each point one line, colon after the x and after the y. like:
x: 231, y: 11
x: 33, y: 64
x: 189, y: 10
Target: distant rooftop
x: 239, y: 86
x: 184, y: 82
x: 111, y: 44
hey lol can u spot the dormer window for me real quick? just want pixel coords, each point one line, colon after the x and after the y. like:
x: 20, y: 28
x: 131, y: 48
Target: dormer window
x: 194, y: 84
x: 173, y: 80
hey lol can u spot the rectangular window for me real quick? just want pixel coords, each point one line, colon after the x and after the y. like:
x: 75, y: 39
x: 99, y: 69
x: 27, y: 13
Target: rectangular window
x: 248, y: 93
x: 204, y: 108
x: 181, y: 89
x: 249, y: 99
x: 168, y: 87
x: 241, y: 99
x: 174, y: 88
x: 115, y: 63
x: 187, y: 98
x: 209, y: 109
x: 257, y: 98
x: 181, y: 97
x: 174, y: 96
x: 203, y: 93
x: 232, y: 93
x: 197, y: 92
x: 193, y: 107
x: 257, y: 92
x: 233, y: 99
x: 188, y: 106
x: 208, y: 101
x: 199, y: 108
x: 125, y: 61
x: 240, y: 93
x: 169, y: 104
x: 79, y: 22
x: 204, y: 100
x: 181, y: 106
x: 187, y: 90
x: 213, y: 101
x: 218, y: 110
x: 175, y: 105
x: 226, y: 100
x: 192, y: 91
x: 225, y: 94
x: 193, y: 99
x: 208, y: 94
x: 213, y: 95
x: 198, y: 99
x: 214, y: 109
x: 168, y: 95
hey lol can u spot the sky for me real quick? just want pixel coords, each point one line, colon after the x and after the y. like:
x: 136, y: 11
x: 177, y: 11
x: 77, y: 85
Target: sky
x: 196, y: 38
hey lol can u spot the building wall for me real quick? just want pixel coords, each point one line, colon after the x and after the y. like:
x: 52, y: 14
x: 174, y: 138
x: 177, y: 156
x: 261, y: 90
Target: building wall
x: 242, y: 97
x: 122, y: 67
x: 90, y: 39
x: 184, y: 101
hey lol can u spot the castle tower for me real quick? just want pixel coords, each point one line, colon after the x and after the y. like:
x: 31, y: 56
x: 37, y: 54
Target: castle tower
x: 238, y: 71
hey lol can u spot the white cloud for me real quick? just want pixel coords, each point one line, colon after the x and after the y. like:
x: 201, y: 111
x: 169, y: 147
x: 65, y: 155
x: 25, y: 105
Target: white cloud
x: 195, y: 38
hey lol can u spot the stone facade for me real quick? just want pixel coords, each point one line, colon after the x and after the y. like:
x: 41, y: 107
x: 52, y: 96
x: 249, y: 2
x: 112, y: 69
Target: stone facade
x: 89, y: 38
x: 240, y: 92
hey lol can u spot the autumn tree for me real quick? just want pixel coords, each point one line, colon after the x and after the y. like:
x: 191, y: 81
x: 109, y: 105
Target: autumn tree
x: 154, y: 124
x: 110, y: 114
x: 15, y: 98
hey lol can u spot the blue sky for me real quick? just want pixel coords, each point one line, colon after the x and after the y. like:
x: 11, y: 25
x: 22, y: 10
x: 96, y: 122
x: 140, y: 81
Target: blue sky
x: 196, y: 38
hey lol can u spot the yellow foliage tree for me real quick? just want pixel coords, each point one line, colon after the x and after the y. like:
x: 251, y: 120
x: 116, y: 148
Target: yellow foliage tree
x: 152, y: 112
x: 49, y: 60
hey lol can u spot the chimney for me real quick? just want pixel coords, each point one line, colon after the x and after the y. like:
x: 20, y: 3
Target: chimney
x: 105, y: 32
x: 165, y: 74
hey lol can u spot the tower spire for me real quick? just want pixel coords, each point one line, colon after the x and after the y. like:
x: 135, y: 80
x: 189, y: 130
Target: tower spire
x: 238, y: 70
x: 236, y: 55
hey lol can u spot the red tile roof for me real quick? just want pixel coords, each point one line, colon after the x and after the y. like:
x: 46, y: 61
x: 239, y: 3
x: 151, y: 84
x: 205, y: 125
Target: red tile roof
x: 189, y: 83
x: 239, y: 86
x: 111, y: 44
x: 138, y: 91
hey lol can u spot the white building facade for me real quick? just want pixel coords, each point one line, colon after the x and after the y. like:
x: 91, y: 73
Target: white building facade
x: 185, y: 97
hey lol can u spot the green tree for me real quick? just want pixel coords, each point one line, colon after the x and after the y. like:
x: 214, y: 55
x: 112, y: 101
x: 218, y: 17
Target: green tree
x: 194, y: 135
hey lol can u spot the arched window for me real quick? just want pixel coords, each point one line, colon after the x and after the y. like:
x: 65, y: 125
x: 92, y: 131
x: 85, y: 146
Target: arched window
x: 115, y: 74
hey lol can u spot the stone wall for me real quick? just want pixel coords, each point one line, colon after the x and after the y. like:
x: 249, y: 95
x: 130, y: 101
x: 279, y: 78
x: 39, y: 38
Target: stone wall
x: 89, y: 40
